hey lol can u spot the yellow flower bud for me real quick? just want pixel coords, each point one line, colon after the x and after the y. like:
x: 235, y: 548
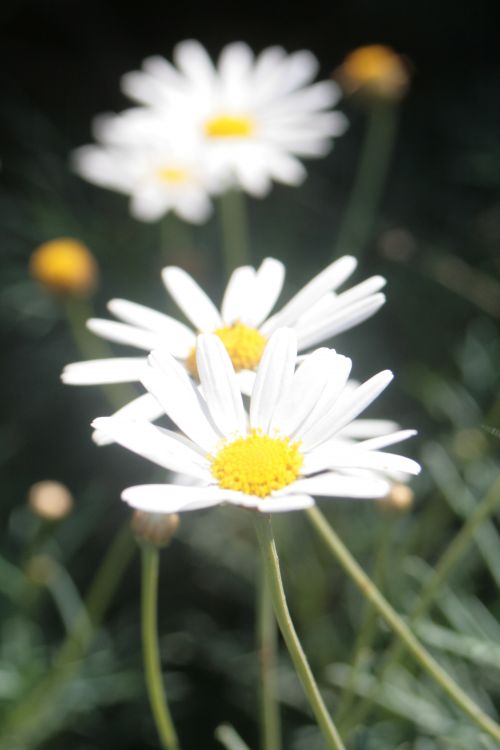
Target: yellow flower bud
x: 50, y: 500
x: 65, y: 266
x: 154, y: 528
x: 374, y: 70
x: 400, y: 498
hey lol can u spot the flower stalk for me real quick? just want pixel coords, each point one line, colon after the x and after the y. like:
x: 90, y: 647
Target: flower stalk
x: 234, y: 229
x: 151, y: 651
x: 271, y: 564
x: 397, y: 624
x: 267, y: 640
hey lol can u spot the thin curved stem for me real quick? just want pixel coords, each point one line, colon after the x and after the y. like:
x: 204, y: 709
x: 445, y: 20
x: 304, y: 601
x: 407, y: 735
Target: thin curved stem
x: 358, y: 218
x: 151, y: 651
x: 397, y: 624
x: 234, y: 229
x: 267, y: 642
x: 271, y: 563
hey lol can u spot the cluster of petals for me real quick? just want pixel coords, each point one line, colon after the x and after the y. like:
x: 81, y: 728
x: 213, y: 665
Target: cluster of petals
x: 316, y: 313
x: 309, y: 405
x: 202, y: 128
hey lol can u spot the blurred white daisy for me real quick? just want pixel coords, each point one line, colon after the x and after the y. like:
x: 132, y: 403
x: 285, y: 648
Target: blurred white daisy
x: 277, y: 457
x: 160, y: 168
x: 252, y: 115
x: 243, y: 324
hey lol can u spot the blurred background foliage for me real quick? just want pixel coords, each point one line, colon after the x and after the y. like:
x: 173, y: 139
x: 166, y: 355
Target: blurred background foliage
x: 436, y: 239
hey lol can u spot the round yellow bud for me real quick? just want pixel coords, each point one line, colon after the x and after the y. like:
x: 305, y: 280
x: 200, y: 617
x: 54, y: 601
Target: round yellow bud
x: 154, y: 528
x: 50, y: 500
x: 400, y: 498
x: 65, y: 266
x: 375, y: 70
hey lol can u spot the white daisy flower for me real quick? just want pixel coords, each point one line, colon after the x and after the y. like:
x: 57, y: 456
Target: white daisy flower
x: 243, y: 324
x: 253, y: 115
x: 160, y: 168
x: 277, y: 457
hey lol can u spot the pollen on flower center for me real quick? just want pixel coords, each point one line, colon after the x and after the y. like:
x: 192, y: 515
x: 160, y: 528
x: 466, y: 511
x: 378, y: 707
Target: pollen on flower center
x: 243, y: 344
x: 229, y: 126
x: 257, y: 464
x: 173, y: 175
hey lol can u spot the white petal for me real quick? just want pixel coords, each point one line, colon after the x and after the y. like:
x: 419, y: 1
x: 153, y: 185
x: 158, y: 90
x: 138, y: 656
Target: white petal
x: 239, y: 295
x: 172, y: 498
x: 124, y: 334
x: 269, y: 282
x: 101, y: 371
x: 314, y: 331
x: 329, y: 279
x: 160, y: 446
x: 373, y: 460
x: 333, y: 484
x: 176, y: 337
x: 368, y: 428
x: 285, y: 503
x: 149, y: 202
x: 274, y: 374
x: 220, y: 386
x: 169, y: 383
x: 360, y: 291
x: 192, y: 59
x: 382, y: 441
x: 345, y: 409
x: 246, y: 381
x: 308, y: 385
x: 145, y: 408
x: 191, y: 299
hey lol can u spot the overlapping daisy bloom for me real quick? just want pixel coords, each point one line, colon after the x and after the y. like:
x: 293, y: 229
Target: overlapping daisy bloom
x: 203, y: 128
x: 277, y: 457
x: 243, y: 324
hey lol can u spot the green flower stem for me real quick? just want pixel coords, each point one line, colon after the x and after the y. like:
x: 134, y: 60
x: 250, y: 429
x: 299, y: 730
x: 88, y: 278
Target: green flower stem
x: 78, y: 311
x: 26, y: 721
x: 234, y: 229
x: 175, y: 236
x: 395, y: 622
x: 271, y: 564
x: 267, y: 640
x: 446, y: 563
x: 358, y: 218
x: 151, y: 651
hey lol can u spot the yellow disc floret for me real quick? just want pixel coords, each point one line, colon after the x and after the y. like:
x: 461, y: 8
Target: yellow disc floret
x: 64, y: 265
x: 173, y: 175
x: 243, y: 344
x: 229, y: 126
x: 257, y: 464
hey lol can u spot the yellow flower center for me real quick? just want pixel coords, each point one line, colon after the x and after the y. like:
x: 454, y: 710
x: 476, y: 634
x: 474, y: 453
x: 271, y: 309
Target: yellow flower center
x: 376, y: 67
x: 243, y: 344
x: 257, y: 464
x: 229, y: 126
x: 173, y: 175
x: 66, y: 266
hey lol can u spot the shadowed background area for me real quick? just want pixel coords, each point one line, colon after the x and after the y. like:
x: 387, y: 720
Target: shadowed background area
x: 435, y: 237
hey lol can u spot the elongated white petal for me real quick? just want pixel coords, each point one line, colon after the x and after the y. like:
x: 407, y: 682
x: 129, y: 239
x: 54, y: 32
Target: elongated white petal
x: 308, y: 385
x: 145, y: 408
x: 345, y: 409
x: 368, y: 428
x: 327, y: 280
x: 176, y: 337
x: 162, y: 447
x: 285, y: 503
x: 191, y: 299
x: 172, y: 498
x: 374, y: 460
x: 274, y: 375
x: 169, y: 383
x: 239, y: 295
x: 269, y: 283
x: 364, y: 289
x: 102, y: 371
x: 124, y: 334
x: 382, y: 441
x: 314, y: 331
x: 332, y: 484
x: 220, y: 386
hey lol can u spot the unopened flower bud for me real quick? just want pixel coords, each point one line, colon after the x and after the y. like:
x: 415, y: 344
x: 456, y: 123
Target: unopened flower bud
x: 50, y: 500
x: 65, y: 266
x: 400, y: 498
x: 376, y: 71
x: 40, y: 569
x: 154, y: 528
